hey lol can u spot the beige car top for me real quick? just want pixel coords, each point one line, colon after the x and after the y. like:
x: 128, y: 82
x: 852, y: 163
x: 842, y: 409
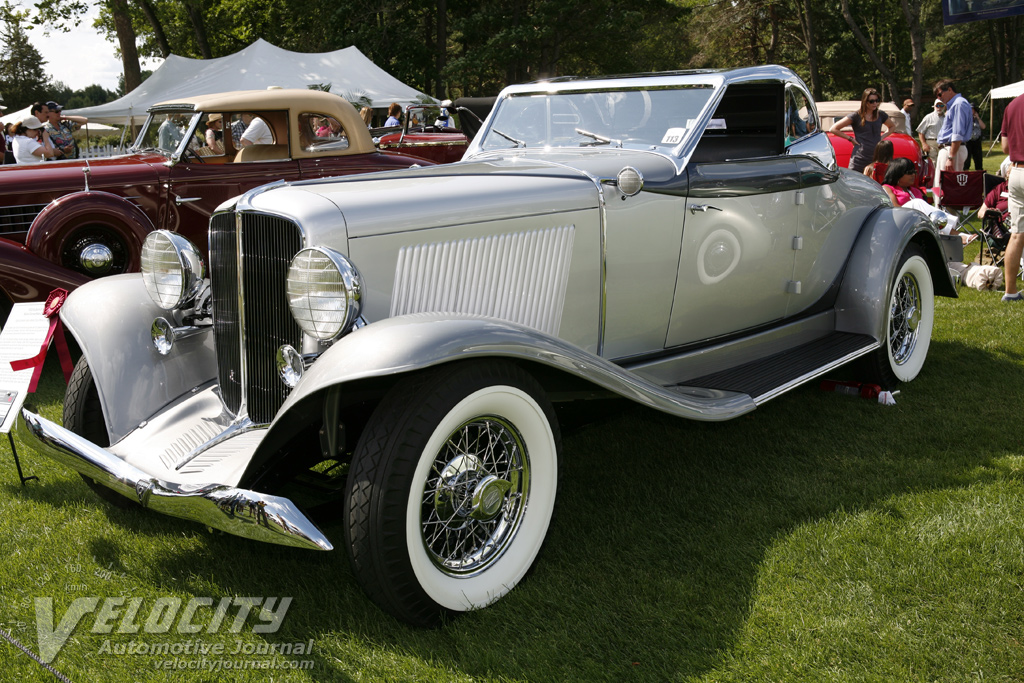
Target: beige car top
x: 830, y: 112
x: 290, y: 104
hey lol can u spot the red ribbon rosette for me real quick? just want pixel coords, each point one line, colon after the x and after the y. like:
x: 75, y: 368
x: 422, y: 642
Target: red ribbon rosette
x: 50, y: 310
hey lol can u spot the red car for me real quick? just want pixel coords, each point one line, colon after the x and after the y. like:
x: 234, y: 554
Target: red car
x: 427, y: 131
x: 63, y: 223
x: 903, y: 145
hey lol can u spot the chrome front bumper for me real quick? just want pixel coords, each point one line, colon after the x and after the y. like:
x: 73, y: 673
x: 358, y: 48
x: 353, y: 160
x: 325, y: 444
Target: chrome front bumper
x: 241, y: 512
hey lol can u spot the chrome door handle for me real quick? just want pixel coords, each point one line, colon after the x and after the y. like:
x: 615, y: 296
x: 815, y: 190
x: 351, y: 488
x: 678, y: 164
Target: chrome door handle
x: 185, y: 200
x: 703, y: 208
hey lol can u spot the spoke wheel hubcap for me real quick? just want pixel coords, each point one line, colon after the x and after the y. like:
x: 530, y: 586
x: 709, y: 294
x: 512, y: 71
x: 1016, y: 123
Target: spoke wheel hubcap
x: 475, y: 496
x: 904, y: 319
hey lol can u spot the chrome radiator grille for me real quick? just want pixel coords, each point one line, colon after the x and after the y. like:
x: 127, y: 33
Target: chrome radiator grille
x: 250, y: 312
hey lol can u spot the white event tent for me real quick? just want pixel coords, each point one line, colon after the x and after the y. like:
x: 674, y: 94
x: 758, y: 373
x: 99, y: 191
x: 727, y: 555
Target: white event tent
x: 1007, y: 91
x: 258, y: 66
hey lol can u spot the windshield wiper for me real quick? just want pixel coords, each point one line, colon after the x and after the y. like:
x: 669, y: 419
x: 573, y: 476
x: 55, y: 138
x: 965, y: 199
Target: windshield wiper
x: 519, y: 143
x: 598, y: 139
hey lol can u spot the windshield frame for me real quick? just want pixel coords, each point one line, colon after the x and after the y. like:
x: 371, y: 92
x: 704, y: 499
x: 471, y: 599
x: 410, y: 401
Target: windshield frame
x: 714, y: 82
x: 155, y: 119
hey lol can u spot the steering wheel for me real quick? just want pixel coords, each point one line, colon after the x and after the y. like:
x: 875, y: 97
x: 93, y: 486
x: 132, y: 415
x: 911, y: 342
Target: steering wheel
x: 191, y: 152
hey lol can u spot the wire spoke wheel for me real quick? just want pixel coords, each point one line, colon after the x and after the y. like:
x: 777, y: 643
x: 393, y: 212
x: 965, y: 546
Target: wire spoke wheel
x: 910, y: 315
x: 904, y: 318
x: 475, y: 495
x: 452, y: 489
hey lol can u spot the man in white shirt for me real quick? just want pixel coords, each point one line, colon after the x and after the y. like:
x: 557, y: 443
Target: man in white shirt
x: 256, y: 132
x: 928, y: 130
x: 169, y: 133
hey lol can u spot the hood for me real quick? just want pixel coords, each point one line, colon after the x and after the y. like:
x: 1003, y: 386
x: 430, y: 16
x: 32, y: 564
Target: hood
x: 67, y: 176
x: 479, y: 190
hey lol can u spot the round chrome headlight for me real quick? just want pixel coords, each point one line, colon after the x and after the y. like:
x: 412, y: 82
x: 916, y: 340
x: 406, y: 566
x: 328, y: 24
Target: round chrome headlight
x: 172, y: 269
x: 323, y: 292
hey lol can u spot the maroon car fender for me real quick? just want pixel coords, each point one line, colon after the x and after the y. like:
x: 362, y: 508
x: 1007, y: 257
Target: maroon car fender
x: 25, y: 277
x: 63, y: 217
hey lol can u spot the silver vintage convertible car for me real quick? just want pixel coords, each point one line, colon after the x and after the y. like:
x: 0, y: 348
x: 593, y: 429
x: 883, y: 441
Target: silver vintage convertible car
x: 391, y: 344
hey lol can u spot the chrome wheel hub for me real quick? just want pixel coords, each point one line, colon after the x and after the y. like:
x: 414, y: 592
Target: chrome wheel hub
x: 904, y: 319
x: 96, y: 258
x: 475, y: 496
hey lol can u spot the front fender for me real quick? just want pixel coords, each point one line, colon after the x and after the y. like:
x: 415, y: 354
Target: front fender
x: 111, y: 319
x: 62, y: 216
x: 864, y: 293
x: 412, y: 342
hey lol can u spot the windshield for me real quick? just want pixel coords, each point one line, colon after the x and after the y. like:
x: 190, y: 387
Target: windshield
x: 659, y: 117
x: 164, y: 131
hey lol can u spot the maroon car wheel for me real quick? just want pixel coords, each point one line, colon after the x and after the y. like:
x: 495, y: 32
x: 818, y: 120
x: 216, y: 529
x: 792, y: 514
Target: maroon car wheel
x: 96, y: 251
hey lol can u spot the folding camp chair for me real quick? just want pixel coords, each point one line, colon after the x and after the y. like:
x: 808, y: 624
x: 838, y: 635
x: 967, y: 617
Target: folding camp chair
x: 994, y: 228
x: 962, y: 193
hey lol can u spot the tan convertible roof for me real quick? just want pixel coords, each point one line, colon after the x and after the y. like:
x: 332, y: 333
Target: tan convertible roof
x: 241, y: 100
x: 294, y: 100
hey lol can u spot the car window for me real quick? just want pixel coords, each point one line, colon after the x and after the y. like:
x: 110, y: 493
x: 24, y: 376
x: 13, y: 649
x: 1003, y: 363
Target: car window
x: 747, y: 124
x: 165, y: 131
x: 321, y: 132
x: 800, y: 118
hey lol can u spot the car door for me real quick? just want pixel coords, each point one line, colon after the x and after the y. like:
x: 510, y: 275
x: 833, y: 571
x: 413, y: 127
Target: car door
x: 737, y: 258
x: 196, y: 189
x: 822, y: 235
x: 197, y: 184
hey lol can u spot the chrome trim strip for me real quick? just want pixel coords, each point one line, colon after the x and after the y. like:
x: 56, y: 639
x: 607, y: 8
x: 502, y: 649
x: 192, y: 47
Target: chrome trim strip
x: 240, y: 512
x: 792, y: 384
x: 397, y: 145
x: 243, y: 408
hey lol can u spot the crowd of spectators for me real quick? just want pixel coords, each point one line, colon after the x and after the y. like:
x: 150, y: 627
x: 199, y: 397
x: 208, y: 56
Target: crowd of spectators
x: 46, y: 134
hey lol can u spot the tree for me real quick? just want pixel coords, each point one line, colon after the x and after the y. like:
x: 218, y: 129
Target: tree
x: 63, y: 14
x: 22, y: 78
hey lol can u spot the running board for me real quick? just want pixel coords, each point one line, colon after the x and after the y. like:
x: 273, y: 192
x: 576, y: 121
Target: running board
x: 766, y: 378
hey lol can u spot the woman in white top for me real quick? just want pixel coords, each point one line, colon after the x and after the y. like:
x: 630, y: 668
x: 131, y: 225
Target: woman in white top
x: 31, y: 142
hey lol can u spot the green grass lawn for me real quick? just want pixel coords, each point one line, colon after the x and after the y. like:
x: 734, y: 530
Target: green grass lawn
x: 820, y: 538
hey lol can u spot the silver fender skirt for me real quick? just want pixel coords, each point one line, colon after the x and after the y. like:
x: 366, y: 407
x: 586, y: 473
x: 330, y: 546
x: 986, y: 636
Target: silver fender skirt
x: 240, y: 512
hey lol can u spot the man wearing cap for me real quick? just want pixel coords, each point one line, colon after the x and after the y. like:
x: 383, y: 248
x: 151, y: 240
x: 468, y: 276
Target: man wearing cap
x: 31, y: 142
x: 1013, y: 144
x: 956, y: 129
x: 928, y: 130
x: 62, y: 130
x: 908, y: 113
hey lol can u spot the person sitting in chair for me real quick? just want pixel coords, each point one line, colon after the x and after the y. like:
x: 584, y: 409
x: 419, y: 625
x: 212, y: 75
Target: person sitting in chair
x: 899, y: 185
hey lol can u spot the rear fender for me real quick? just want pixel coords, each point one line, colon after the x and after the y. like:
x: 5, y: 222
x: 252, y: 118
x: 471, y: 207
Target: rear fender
x: 111, y: 319
x: 864, y: 293
x: 59, y: 220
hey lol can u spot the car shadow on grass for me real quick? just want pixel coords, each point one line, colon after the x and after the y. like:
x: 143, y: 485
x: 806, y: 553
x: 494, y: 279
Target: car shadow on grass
x: 651, y: 565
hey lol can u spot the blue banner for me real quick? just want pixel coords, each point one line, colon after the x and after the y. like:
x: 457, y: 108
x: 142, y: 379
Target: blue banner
x: 959, y: 11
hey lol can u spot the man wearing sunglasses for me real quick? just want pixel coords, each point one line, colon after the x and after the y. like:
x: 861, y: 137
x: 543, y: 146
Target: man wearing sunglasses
x: 956, y: 129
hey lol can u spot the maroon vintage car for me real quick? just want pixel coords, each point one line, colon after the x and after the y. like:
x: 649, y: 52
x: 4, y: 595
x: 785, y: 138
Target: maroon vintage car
x: 63, y: 223
x: 432, y: 131
x: 903, y: 145
x: 427, y: 131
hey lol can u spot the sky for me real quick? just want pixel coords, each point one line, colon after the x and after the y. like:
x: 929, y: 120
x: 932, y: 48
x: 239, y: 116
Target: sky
x: 81, y: 57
